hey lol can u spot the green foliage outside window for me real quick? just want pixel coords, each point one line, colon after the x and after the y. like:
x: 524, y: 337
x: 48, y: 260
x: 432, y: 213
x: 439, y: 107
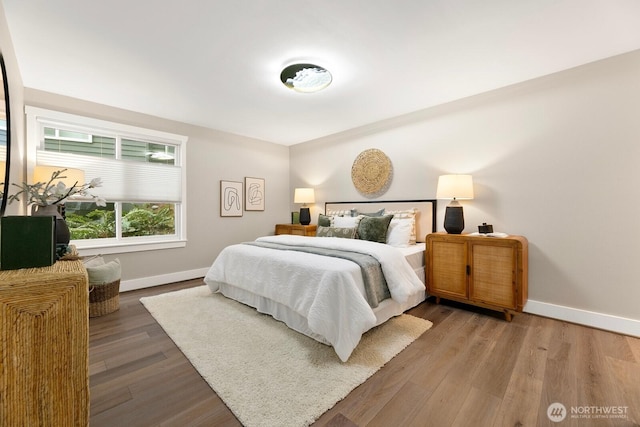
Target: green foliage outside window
x: 97, y: 224
x: 87, y: 221
x: 148, y: 219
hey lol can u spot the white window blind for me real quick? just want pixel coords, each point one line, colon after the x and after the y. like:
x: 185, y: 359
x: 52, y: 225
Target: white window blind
x: 122, y: 180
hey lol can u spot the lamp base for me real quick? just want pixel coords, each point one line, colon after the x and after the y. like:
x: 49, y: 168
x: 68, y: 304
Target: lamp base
x: 305, y: 216
x: 454, y: 219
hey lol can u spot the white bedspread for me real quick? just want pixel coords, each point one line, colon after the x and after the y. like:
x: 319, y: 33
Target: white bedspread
x: 326, y: 291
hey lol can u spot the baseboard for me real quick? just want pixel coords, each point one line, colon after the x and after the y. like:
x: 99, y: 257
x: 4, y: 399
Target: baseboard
x: 163, y: 279
x: 607, y: 322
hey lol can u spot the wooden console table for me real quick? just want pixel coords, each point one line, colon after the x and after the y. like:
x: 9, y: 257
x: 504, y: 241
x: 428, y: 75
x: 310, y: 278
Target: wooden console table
x: 44, y: 335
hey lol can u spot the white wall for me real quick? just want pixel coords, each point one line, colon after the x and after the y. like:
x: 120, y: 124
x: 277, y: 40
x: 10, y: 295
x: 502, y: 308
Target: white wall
x: 556, y: 160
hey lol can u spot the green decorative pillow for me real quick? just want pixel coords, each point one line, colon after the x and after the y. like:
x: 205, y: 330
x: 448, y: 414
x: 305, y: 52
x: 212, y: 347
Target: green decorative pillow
x: 374, y: 228
x: 376, y: 213
x: 343, y: 232
x: 324, y: 220
x: 106, y: 273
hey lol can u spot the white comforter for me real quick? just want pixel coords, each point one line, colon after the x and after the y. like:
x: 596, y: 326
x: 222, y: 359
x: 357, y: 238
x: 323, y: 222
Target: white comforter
x: 326, y: 291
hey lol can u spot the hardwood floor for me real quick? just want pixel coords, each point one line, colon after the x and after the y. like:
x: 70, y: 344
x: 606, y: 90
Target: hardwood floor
x: 470, y: 369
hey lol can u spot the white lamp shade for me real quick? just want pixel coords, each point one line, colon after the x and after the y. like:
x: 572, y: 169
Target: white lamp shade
x: 457, y: 187
x: 304, y: 195
x: 70, y: 177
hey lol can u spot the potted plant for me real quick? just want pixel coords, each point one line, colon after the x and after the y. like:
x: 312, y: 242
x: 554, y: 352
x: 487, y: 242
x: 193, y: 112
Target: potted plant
x: 45, y: 198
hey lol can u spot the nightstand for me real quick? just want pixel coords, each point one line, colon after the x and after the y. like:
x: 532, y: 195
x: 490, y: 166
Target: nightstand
x: 489, y: 272
x: 297, y: 229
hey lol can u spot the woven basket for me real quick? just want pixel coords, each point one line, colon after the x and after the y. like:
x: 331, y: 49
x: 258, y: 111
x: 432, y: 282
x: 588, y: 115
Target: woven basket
x: 104, y: 299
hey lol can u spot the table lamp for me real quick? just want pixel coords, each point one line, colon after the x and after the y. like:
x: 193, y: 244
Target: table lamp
x: 304, y: 196
x: 454, y: 187
x: 70, y: 176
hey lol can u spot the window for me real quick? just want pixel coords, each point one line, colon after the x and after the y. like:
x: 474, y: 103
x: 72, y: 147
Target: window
x: 143, y: 177
x: 3, y: 141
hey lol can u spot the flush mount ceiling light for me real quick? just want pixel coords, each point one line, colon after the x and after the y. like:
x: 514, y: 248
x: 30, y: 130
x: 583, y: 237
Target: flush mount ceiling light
x: 305, y: 77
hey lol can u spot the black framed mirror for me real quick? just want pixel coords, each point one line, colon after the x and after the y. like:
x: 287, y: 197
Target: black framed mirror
x: 5, y: 139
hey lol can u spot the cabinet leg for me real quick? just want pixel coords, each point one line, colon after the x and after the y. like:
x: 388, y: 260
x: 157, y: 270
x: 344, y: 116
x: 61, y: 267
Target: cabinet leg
x: 437, y: 300
x: 507, y: 316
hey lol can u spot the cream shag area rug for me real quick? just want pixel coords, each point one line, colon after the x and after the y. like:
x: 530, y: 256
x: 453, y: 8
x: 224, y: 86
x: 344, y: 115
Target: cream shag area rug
x: 266, y: 373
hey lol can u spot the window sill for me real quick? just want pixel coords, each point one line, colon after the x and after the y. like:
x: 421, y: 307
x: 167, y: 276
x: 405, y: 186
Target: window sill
x: 86, y: 249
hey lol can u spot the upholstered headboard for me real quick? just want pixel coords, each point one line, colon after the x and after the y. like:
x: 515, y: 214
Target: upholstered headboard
x: 425, y: 216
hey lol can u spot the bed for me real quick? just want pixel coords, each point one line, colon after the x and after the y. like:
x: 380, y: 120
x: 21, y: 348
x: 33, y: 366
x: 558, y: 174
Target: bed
x: 329, y: 288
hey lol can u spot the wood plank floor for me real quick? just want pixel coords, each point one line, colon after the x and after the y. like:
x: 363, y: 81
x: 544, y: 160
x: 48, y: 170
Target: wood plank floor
x: 470, y: 369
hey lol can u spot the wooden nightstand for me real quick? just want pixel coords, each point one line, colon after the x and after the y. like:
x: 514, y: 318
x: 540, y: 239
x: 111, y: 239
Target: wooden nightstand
x: 297, y: 229
x: 488, y: 272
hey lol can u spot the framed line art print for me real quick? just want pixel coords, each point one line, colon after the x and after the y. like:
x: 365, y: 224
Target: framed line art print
x: 230, y: 198
x: 254, y: 194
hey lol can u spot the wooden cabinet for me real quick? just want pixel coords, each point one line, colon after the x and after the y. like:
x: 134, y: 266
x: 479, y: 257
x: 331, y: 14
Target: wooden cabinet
x: 298, y: 229
x: 489, y: 272
x: 44, y: 335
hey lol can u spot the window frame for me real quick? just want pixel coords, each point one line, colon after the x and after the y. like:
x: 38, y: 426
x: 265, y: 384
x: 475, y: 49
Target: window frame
x: 38, y: 118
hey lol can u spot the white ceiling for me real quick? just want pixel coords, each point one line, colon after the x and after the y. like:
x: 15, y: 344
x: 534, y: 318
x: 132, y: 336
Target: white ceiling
x: 216, y: 63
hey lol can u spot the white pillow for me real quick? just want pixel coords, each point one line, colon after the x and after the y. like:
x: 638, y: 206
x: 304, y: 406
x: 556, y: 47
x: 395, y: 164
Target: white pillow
x: 345, y: 221
x: 399, y: 232
x: 93, y: 262
x: 106, y: 273
x: 407, y: 214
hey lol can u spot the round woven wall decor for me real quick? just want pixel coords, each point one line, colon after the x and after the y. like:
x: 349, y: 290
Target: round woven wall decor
x: 371, y: 172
